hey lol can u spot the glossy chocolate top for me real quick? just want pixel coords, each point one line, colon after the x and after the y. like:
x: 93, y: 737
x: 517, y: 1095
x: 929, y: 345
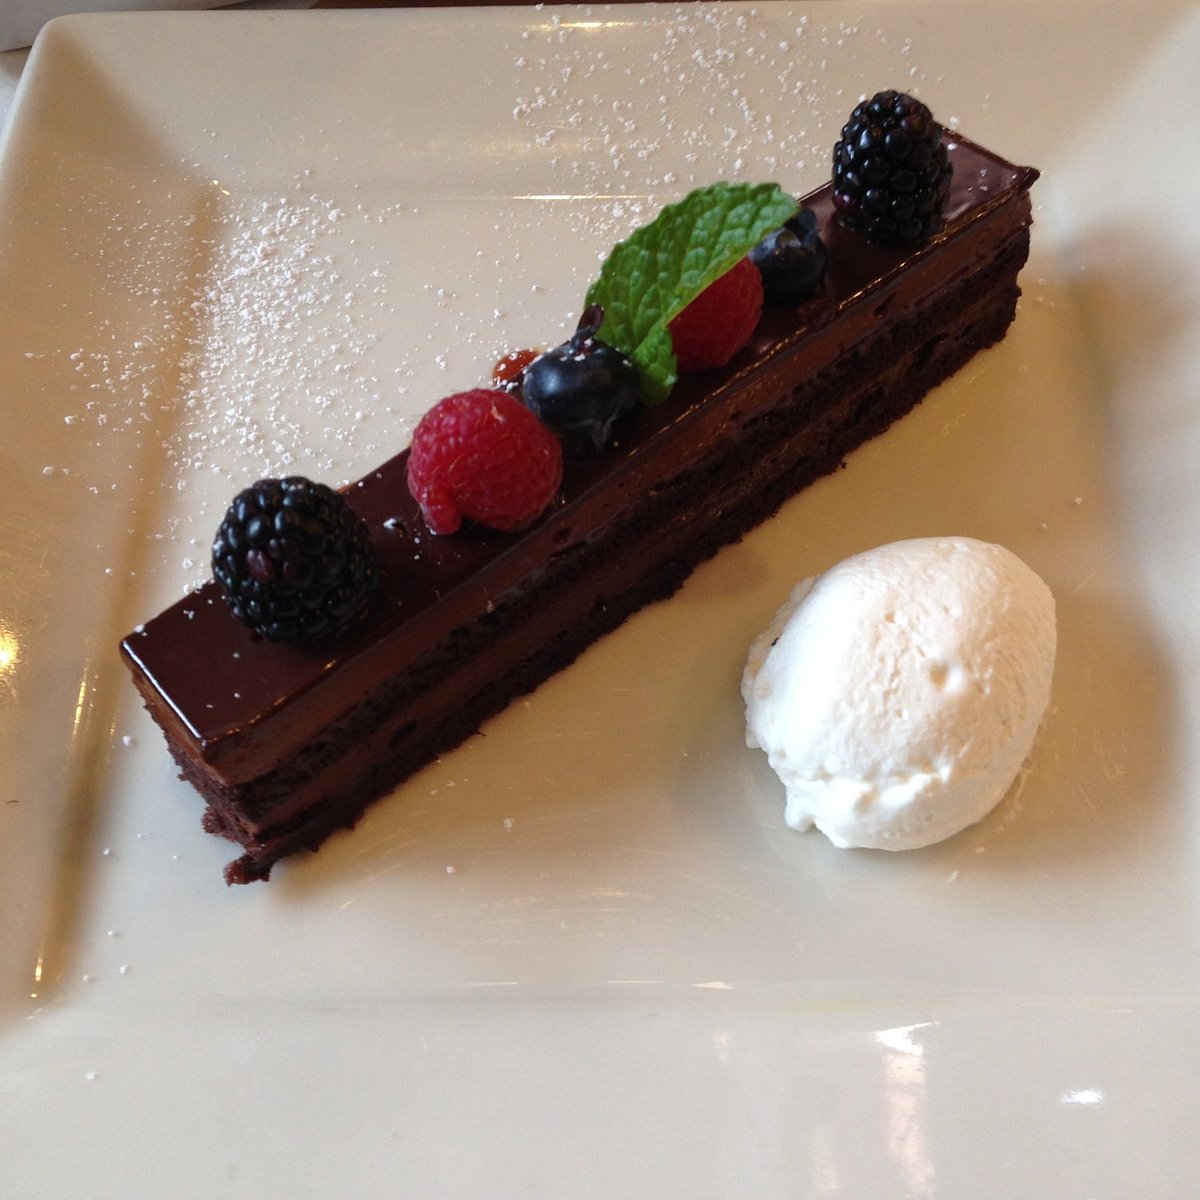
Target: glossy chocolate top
x: 242, y: 704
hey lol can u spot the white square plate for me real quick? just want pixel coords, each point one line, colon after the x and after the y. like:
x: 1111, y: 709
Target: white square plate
x: 582, y: 956
x: 20, y: 20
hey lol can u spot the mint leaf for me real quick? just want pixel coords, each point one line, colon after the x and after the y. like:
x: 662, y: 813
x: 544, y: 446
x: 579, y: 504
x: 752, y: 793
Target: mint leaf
x: 654, y: 274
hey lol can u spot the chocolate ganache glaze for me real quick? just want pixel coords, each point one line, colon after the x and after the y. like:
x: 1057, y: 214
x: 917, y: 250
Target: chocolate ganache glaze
x: 463, y: 623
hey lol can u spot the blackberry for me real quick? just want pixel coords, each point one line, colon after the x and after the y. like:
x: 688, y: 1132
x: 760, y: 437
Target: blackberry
x: 891, y: 173
x: 791, y: 260
x: 579, y: 389
x: 293, y: 560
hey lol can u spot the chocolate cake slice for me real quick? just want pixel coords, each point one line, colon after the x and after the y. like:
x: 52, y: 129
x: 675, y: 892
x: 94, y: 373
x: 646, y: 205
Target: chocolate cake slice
x: 288, y: 743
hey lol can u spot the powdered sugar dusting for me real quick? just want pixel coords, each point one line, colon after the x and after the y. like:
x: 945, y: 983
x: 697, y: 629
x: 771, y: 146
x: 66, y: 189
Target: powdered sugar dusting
x: 715, y: 92
x: 278, y: 368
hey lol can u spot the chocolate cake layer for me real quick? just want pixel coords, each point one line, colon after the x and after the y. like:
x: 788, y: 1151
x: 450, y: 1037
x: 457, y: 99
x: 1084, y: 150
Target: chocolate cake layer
x: 288, y: 743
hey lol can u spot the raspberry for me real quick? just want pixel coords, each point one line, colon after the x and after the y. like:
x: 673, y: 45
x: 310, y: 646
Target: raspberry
x: 293, y: 560
x: 891, y: 172
x: 484, y: 456
x: 720, y: 321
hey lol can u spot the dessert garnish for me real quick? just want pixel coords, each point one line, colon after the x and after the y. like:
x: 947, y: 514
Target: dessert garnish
x: 484, y: 456
x: 580, y: 388
x: 791, y: 259
x: 508, y: 371
x: 719, y: 321
x: 651, y: 277
x: 678, y: 295
x: 293, y: 560
x: 891, y: 172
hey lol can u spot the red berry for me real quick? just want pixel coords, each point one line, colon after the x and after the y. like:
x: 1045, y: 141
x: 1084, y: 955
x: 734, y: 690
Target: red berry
x: 720, y: 321
x: 509, y: 369
x: 484, y: 456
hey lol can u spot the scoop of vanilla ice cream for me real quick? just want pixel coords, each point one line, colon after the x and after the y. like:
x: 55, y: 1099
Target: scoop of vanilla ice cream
x: 898, y: 694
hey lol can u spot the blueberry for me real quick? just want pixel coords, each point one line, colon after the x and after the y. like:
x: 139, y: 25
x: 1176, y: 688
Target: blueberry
x: 579, y: 389
x: 791, y: 260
